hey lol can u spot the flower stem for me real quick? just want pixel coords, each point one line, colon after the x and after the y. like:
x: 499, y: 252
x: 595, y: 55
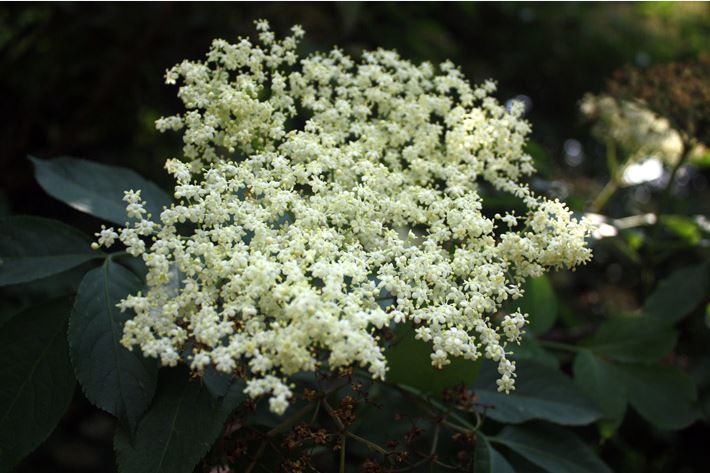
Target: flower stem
x: 688, y: 147
x: 342, y: 453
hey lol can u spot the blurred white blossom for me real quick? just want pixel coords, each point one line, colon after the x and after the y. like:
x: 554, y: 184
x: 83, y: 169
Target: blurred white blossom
x: 647, y: 139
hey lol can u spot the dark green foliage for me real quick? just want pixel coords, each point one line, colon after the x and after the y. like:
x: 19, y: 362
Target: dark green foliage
x: 119, y: 381
x: 631, y: 327
x: 553, y: 449
x: 663, y: 395
x: 634, y: 339
x: 410, y: 363
x: 488, y: 459
x: 539, y: 300
x: 97, y: 189
x: 179, y: 429
x: 530, y: 349
x: 601, y: 380
x: 677, y: 295
x: 541, y: 393
x: 33, y: 248
x: 36, y: 378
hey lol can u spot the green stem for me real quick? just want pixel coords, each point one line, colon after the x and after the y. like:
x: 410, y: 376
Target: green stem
x: 342, y: 453
x: 256, y: 458
x: 371, y: 445
x: 611, y: 160
x: 436, y: 405
x: 282, y: 427
x: 688, y: 147
x: 315, y: 412
x: 435, y: 442
x: 606, y: 193
x: 333, y: 415
x: 614, y: 180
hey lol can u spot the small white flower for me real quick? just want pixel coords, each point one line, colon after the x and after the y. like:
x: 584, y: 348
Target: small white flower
x: 306, y: 241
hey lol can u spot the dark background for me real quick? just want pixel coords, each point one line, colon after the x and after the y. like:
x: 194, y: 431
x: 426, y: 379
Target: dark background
x: 86, y: 80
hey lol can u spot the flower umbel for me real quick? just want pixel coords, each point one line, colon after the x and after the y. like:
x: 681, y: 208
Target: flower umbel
x: 320, y: 199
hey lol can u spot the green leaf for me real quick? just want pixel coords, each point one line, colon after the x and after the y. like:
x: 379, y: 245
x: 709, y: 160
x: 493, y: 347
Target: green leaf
x: 116, y: 380
x: 684, y: 227
x: 634, y: 339
x: 676, y: 296
x: 540, y: 303
x: 554, y: 449
x: 700, y: 159
x: 134, y: 264
x: 540, y: 393
x: 95, y: 188
x: 179, y: 429
x: 602, y: 382
x: 487, y: 459
x: 410, y: 363
x: 662, y: 394
x: 216, y: 382
x: 36, y: 378
x: 33, y: 248
x: 530, y: 349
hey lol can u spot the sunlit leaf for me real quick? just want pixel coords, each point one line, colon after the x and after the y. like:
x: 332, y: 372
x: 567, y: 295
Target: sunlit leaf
x: 97, y: 189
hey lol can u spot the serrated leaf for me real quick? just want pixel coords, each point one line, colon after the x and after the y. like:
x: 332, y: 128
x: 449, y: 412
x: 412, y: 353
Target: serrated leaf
x: 540, y: 303
x: 409, y: 363
x: 540, y: 393
x: 633, y: 339
x: 602, y: 382
x: 116, y: 380
x: 663, y: 395
x: 36, y: 378
x: 554, y: 449
x: 677, y: 295
x: 97, y: 189
x: 487, y: 459
x: 32, y: 248
x: 181, y: 426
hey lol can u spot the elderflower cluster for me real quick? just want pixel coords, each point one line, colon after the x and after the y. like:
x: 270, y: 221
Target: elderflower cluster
x: 321, y: 199
x: 641, y: 133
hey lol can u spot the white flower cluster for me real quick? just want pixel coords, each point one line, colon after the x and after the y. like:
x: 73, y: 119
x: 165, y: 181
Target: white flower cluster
x: 322, y: 199
x: 641, y: 133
